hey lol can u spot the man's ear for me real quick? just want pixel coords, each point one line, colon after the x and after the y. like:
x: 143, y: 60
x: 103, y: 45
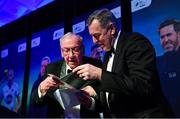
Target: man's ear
x: 113, y: 31
x: 112, y: 28
x: 83, y: 49
x: 178, y: 34
x: 62, y: 53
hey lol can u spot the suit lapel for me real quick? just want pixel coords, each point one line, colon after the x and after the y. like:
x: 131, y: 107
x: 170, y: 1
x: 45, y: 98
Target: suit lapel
x: 117, y: 52
x: 56, y: 71
x: 106, y: 59
x: 62, y: 69
x: 75, y: 81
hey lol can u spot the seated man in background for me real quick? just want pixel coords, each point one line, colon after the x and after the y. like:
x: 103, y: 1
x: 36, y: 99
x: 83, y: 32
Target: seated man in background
x: 72, y: 50
x: 169, y: 63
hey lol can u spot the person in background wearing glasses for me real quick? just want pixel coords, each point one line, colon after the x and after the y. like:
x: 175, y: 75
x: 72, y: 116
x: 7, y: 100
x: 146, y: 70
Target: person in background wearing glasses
x: 72, y: 51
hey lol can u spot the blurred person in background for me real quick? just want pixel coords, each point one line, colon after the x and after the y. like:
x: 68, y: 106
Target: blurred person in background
x: 36, y: 111
x: 97, y: 52
x: 10, y: 94
x: 169, y: 63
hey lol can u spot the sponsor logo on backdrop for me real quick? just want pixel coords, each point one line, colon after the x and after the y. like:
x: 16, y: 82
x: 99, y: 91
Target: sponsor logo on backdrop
x: 4, y: 53
x: 116, y: 12
x: 140, y: 4
x: 22, y: 47
x: 58, y: 34
x: 79, y: 27
x: 35, y: 42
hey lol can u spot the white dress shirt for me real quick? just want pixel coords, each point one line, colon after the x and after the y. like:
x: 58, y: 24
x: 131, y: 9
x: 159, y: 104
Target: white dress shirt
x: 110, y: 62
x: 73, y: 112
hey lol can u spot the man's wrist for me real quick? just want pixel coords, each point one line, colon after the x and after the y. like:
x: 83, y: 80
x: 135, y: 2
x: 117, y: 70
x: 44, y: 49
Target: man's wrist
x: 99, y: 74
x: 40, y: 93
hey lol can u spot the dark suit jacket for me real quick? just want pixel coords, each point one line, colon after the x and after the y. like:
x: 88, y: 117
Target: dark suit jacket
x: 133, y: 85
x: 36, y: 111
x: 53, y: 107
x: 169, y: 71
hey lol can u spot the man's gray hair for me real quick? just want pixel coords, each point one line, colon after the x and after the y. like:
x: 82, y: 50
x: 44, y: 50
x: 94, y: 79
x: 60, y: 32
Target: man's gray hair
x: 68, y: 35
x: 104, y: 16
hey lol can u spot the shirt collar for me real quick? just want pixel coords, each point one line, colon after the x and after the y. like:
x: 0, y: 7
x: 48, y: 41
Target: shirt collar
x: 67, y: 67
x: 116, y: 40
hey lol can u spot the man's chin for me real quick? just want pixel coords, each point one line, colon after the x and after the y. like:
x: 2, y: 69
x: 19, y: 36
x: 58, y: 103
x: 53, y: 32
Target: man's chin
x: 72, y: 66
x: 169, y: 49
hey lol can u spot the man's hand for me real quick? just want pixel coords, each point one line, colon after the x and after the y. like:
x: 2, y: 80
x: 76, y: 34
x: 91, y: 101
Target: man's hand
x: 88, y: 71
x: 90, y: 91
x: 84, y: 98
x: 48, y: 83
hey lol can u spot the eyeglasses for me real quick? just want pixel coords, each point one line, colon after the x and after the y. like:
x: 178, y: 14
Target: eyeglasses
x: 74, y: 50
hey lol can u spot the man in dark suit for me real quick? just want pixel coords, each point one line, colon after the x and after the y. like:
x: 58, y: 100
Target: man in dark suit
x: 168, y: 64
x: 129, y: 81
x: 72, y: 52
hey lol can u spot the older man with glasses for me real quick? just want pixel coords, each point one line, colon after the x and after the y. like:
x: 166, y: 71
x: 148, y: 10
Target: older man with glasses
x: 72, y: 51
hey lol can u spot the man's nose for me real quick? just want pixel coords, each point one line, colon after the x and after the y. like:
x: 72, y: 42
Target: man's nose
x: 71, y: 53
x: 95, y: 40
x: 166, y: 39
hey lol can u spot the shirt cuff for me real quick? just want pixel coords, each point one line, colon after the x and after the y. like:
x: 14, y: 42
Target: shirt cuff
x: 92, y: 107
x: 40, y: 95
